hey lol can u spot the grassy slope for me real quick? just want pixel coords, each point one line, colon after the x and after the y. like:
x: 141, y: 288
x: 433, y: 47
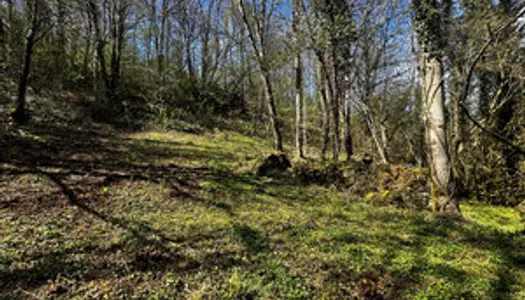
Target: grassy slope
x: 167, y: 215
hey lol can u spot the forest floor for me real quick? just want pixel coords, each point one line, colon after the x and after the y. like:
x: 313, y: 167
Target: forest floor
x: 88, y: 212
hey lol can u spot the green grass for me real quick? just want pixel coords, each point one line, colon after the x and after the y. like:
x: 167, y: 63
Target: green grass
x: 202, y: 227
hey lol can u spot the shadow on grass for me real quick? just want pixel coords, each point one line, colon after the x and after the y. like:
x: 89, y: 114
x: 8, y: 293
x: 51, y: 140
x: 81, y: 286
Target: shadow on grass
x: 503, y: 245
x: 149, y: 248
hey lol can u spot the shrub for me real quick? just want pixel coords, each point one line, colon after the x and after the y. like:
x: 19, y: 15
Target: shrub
x: 400, y: 186
x: 322, y: 173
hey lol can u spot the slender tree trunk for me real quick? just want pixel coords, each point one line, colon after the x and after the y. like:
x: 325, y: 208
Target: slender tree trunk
x: 373, y: 131
x: 8, y: 35
x: 205, y: 57
x: 114, y: 46
x: 162, y: 43
x: 335, y: 89
x: 348, y: 129
x: 118, y: 45
x: 457, y: 142
x: 325, y: 107
x: 149, y: 32
x: 61, y: 43
x: 457, y: 126
x: 272, y: 112
x: 335, y: 109
x: 20, y: 114
x: 384, y: 140
x: 87, y: 52
x: 329, y: 95
x: 100, y: 49
x: 154, y: 30
x: 304, y: 123
x: 189, y: 61
x: 299, y: 94
x: 299, y: 102
x: 256, y: 38
x: 443, y: 200
x: 3, y: 45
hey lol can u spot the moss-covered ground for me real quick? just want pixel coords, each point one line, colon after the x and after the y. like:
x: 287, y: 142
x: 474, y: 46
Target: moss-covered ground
x: 98, y: 214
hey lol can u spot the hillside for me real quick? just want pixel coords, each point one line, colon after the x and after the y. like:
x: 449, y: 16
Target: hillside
x: 91, y: 212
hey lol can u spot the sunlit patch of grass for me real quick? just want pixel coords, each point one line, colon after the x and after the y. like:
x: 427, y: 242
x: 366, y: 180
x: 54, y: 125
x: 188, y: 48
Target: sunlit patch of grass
x: 493, y: 217
x: 214, y: 149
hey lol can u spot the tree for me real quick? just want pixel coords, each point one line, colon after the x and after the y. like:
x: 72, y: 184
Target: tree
x: 323, y: 84
x: 38, y: 14
x: 299, y: 93
x: 429, y: 18
x: 95, y: 14
x: 256, y: 32
x: 112, y: 19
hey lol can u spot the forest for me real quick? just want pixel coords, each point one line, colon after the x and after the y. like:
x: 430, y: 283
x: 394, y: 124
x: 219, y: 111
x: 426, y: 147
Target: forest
x: 262, y: 149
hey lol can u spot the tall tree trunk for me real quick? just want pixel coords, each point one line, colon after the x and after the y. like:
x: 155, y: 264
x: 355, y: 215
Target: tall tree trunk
x: 335, y: 109
x: 272, y: 111
x: 443, y: 200
x: 8, y: 37
x: 162, y: 43
x: 457, y: 128
x: 256, y: 38
x: 325, y: 107
x: 429, y: 17
x: 168, y: 57
x: 87, y: 52
x: 189, y: 61
x: 20, y: 114
x: 60, y: 47
x: 100, y: 48
x: 149, y: 31
x: 154, y: 30
x: 3, y: 46
x: 328, y: 91
x: 335, y: 80
x: 118, y: 25
x: 299, y: 95
x: 205, y: 57
x: 347, y: 128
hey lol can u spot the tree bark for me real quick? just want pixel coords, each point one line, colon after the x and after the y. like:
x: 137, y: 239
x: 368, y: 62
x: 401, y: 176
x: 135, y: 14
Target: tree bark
x: 20, y: 114
x: 119, y: 22
x: 335, y: 86
x: 100, y: 46
x: 347, y: 128
x: 443, y: 200
x: 375, y: 138
x: 299, y: 95
x: 325, y: 107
